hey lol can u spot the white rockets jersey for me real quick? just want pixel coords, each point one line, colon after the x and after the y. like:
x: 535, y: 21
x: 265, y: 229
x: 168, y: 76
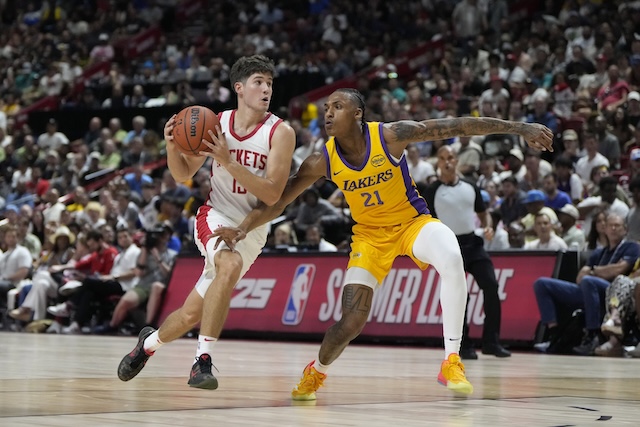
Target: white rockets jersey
x: 227, y: 196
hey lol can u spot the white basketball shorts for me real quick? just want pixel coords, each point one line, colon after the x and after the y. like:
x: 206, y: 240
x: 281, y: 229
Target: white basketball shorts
x: 207, y: 220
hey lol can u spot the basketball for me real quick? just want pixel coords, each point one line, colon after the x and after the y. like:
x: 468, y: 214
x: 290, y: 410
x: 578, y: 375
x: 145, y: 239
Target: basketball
x: 192, y: 126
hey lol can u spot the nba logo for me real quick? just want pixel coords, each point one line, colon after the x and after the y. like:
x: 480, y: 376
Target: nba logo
x: 298, y: 294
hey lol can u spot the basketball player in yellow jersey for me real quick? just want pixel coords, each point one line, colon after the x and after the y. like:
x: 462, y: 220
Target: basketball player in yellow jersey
x: 366, y: 161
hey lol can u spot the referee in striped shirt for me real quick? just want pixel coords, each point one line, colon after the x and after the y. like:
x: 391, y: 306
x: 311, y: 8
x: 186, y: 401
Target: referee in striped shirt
x: 456, y: 203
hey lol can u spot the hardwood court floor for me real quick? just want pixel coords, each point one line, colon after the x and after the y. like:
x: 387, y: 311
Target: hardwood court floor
x: 50, y: 380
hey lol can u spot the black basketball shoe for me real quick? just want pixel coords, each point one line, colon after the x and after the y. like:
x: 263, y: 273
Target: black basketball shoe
x: 201, y: 376
x: 132, y: 363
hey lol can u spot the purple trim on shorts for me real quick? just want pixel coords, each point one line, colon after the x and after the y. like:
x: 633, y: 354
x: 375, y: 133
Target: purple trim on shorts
x: 367, y: 139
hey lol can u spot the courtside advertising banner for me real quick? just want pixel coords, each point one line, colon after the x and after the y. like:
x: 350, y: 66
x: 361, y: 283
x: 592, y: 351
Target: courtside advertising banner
x: 302, y: 294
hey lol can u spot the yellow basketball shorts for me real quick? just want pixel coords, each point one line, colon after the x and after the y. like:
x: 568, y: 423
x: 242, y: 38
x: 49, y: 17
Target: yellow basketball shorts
x: 375, y: 248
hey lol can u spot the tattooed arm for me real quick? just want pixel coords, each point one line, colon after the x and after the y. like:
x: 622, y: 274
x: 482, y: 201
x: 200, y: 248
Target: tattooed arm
x: 402, y: 133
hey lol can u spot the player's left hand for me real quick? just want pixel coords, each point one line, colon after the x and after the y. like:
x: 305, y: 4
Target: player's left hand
x: 538, y: 136
x: 218, y: 148
x: 228, y: 235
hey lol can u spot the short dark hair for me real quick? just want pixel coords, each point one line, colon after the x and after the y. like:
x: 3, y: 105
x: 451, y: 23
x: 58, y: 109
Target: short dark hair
x: 95, y: 235
x: 608, y: 180
x: 247, y: 66
x: 511, y: 179
x: 564, y: 161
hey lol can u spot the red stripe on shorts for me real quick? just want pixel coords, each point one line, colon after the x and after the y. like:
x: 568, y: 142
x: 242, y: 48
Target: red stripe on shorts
x: 204, y: 231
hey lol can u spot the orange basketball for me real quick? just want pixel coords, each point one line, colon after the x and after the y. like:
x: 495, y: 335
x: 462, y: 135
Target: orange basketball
x: 192, y: 125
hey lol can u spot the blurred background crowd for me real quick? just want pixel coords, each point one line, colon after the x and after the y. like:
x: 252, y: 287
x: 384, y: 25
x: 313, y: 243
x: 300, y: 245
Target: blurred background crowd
x: 573, y: 65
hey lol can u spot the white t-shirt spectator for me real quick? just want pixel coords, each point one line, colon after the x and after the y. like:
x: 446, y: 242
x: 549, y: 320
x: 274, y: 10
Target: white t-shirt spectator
x: 125, y: 262
x: 555, y: 243
x: 13, y: 260
x: 584, y: 166
x: 55, y: 141
x: 421, y: 171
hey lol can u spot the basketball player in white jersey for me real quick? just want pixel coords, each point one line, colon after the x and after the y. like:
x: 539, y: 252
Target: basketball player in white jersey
x: 251, y: 163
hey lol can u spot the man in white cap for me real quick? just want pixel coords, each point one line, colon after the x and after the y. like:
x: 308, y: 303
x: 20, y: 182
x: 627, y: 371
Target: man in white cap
x: 572, y: 235
x: 633, y: 107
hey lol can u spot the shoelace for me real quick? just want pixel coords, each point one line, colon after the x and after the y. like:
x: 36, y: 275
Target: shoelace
x: 311, y: 381
x: 206, y: 363
x: 456, y: 370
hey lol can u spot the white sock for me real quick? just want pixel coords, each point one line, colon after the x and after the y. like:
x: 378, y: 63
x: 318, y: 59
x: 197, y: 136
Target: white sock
x: 451, y: 345
x: 205, y: 345
x: 320, y: 367
x: 152, y: 342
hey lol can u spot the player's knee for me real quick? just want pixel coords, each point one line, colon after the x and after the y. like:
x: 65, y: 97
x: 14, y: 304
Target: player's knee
x: 228, y: 265
x: 189, y: 317
x: 352, y: 326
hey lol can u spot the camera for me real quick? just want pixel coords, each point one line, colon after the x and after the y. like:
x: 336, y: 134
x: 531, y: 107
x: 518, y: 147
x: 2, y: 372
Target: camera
x: 152, y: 236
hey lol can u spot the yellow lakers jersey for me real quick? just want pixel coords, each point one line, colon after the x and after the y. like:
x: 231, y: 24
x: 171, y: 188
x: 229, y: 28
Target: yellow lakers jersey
x: 380, y: 191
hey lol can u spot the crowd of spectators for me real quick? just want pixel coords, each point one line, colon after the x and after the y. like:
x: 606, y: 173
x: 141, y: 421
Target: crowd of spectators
x: 572, y: 65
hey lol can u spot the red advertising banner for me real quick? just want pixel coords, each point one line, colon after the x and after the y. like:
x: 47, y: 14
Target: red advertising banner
x: 301, y: 294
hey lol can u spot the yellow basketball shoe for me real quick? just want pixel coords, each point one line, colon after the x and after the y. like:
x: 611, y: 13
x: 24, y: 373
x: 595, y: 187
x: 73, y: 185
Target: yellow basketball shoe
x: 452, y: 375
x: 310, y: 382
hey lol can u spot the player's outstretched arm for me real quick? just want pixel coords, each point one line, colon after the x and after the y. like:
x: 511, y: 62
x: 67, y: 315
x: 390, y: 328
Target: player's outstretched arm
x: 182, y: 167
x: 269, y: 188
x: 312, y: 169
x: 405, y: 132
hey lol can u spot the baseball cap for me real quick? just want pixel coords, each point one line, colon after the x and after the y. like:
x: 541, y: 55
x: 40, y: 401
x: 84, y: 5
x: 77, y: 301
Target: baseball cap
x: 570, y: 134
x: 633, y: 96
x: 635, y: 154
x: 534, y: 196
x: 570, y: 210
x: 517, y: 154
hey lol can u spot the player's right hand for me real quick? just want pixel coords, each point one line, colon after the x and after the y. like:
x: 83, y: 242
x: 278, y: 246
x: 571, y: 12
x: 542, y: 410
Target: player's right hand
x: 228, y: 235
x: 538, y: 136
x: 168, y: 129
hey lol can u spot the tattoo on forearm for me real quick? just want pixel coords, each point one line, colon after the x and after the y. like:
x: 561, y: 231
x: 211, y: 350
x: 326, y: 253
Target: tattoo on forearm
x: 357, y: 299
x: 410, y: 131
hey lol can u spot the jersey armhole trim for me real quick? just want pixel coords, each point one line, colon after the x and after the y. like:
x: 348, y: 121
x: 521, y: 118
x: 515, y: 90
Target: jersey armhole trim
x: 273, y: 130
x: 326, y: 159
x: 395, y: 162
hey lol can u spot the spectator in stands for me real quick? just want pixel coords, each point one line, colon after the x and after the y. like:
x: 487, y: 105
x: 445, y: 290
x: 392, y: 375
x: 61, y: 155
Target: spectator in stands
x: 613, y: 93
x: 555, y: 198
x: 420, y: 170
x: 313, y: 210
x: 603, y: 266
x: 469, y: 156
x: 52, y: 138
x: 592, y: 158
x: 15, y: 263
x: 152, y: 267
x: 314, y: 240
x: 28, y: 239
x: 136, y: 178
x: 98, y: 263
x: 535, y: 204
x: 512, y: 206
x: 546, y: 238
x: 117, y: 133
x: 541, y: 112
x: 120, y: 278
x: 567, y: 180
x: 574, y: 237
x: 139, y: 123
x: 608, y: 186
x: 44, y: 285
x: 536, y: 169
x: 608, y: 144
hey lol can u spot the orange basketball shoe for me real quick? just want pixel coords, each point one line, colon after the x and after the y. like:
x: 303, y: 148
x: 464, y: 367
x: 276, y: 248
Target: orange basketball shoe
x: 452, y: 375
x: 310, y: 382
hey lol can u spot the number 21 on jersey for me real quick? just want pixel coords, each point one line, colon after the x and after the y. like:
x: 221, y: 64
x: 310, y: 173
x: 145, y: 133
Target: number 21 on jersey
x: 372, y: 199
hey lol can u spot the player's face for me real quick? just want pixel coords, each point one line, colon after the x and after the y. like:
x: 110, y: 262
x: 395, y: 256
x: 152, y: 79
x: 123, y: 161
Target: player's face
x: 340, y: 114
x: 256, y: 91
